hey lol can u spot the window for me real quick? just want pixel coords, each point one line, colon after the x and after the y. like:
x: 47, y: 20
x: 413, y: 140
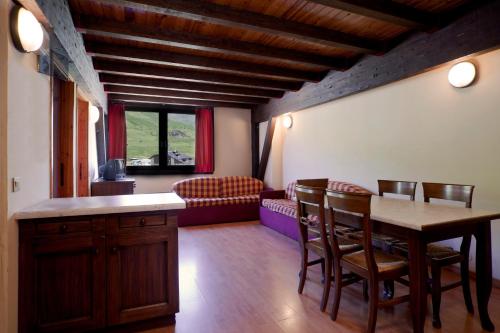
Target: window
x: 160, y: 141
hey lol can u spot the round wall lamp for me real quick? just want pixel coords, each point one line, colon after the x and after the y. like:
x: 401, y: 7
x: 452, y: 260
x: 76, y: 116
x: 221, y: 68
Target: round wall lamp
x: 462, y: 75
x: 287, y: 121
x: 94, y: 114
x: 26, y: 31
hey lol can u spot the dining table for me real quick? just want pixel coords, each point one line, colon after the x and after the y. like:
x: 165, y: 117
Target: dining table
x: 419, y: 224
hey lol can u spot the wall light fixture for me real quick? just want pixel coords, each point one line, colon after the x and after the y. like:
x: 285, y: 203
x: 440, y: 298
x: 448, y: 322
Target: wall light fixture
x: 26, y: 31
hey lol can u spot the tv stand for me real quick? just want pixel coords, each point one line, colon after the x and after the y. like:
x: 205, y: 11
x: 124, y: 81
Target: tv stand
x: 100, y: 187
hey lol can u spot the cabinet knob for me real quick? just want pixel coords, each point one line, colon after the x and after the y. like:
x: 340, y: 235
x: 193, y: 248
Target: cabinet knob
x: 63, y: 228
x: 95, y: 250
x: 114, y: 249
x: 142, y: 222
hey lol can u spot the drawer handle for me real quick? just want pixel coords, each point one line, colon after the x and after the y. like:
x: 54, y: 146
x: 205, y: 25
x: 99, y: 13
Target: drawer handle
x: 114, y: 249
x: 63, y: 228
x: 142, y: 222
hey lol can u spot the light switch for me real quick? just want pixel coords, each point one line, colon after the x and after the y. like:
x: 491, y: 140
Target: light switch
x: 16, y: 184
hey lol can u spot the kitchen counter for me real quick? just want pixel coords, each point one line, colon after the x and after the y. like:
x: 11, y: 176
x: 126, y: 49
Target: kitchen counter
x: 116, y: 204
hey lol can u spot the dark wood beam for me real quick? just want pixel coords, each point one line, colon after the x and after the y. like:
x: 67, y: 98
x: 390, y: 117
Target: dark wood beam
x: 465, y: 37
x: 266, y: 149
x: 135, y: 81
x: 213, y: 13
x: 119, y: 52
x: 388, y: 11
x: 173, y: 101
x: 135, y: 68
x: 182, y: 94
x: 128, y: 31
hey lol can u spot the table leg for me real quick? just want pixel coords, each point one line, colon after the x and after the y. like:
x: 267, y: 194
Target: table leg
x: 417, y: 249
x: 484, y: 273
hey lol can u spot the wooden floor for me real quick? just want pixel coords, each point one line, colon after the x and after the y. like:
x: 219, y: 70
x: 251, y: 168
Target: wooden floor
x: 243, y: 278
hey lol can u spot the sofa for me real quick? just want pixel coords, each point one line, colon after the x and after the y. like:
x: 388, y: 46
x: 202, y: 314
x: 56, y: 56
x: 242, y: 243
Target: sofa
x: 212, y: 200
x: 278, y: 209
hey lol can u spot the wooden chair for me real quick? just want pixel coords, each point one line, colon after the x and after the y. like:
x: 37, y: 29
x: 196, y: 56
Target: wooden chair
x: 368, y: 263
x: 311, y: 205
x: 395, y: 187
x: 441, y: 256
x: 319, y: 182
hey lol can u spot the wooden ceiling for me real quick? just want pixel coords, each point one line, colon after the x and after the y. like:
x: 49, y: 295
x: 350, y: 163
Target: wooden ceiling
x: 240, y: 53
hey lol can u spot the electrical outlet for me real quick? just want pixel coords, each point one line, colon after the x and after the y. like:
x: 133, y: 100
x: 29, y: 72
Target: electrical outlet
x: 16, y: 184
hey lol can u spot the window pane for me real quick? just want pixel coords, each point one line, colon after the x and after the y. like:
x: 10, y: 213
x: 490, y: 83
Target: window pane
x: 181, y: 139
x: 142, y: 138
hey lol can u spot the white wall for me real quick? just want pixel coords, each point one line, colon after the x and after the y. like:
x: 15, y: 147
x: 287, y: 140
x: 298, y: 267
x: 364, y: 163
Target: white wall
x: 419, y: 129
x: 28, y: 143
x: 4, y: 28
x: 233, y: 151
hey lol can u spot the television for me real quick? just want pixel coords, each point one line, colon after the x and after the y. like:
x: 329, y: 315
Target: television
x: 114, y: 169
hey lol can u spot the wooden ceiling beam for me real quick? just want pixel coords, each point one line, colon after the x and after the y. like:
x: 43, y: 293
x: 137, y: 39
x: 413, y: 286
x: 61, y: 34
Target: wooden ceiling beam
x: 174, y: 101
x: 182, y: 94
x: 156, y: 56
x: 388, y: 11
x: 135, y: 81
x: 204, y: 11
x: 155, y: 35
x: 140, y: 69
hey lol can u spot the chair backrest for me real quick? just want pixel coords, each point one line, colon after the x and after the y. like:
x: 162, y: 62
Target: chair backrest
x: 452, y: 192
x: 397, y: 187
x: 357, y: 204
x: 332, y: 184
x: 319, y: 182
x: 311, y: 202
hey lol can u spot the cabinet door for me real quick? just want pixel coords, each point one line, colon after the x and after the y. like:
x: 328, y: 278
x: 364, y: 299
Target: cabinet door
x: 142, y: 267
x: 62, y: 279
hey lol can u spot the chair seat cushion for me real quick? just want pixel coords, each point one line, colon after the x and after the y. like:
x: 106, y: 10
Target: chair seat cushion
x: 434, y: 251
x: 283, y: 206
x: 207, y: 202
x: 385, y: 262
x: 344, y: 245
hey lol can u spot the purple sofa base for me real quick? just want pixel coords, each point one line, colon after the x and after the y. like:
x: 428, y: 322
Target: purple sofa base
x: 218, y: 214
x: 281, y: 223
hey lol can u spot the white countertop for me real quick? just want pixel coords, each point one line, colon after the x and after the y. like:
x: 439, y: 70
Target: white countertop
x: 419, y: 215
x: 102, y: 205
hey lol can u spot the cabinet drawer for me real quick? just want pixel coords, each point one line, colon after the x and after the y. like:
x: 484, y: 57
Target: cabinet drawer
x: 63, y: 227
x: 141, y: 221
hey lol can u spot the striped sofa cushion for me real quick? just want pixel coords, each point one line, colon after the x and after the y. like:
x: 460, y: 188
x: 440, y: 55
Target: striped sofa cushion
x: 332, y: 185
x: 240, y: 185
x: 207, y: 202
x: 282, y: 206
x: 203, y: 187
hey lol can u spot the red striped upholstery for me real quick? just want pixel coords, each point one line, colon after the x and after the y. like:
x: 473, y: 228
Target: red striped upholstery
x: 332, y: 185
x: 240, y: 185
x: 206, y: 202
x: 283, y: 206
x: 203, y: 187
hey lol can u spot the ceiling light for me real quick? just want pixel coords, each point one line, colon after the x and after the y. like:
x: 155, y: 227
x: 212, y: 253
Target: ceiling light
x: 26, y: 31
x: 462, y: 74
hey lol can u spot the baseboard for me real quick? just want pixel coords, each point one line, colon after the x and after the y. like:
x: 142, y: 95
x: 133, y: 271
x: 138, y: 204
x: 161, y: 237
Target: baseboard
x: 456, y: 269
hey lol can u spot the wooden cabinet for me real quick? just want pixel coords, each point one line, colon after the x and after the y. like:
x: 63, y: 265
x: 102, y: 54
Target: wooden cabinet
x: 142, y: 274
x: 101, y: 187
x: 86, y: 273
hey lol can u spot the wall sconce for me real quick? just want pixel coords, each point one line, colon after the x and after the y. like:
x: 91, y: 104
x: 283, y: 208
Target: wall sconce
x: 26, y: 31
x: 94, y: 114
x: 287, y: 121
x: 461, y: 75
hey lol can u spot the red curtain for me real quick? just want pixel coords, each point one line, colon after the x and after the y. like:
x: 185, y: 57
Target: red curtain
x: 117, y: 142
x: 204, y: 153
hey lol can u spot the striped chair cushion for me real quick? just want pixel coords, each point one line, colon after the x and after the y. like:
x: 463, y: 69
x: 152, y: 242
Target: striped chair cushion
x: 203, y: 187
x: 332, y: 185
x: 282, y: 206
x: 207, y: 202
x: 240, y: 185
